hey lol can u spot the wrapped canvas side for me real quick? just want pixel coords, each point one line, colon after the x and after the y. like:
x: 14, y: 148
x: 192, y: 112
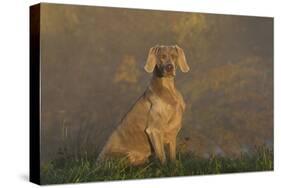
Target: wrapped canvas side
x: 34, y: 163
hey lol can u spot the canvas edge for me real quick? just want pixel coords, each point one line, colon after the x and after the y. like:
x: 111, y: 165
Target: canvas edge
x: 34, y: 95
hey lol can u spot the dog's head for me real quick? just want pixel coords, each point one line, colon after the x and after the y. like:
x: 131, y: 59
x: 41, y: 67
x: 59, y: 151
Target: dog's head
x: 163, y: 61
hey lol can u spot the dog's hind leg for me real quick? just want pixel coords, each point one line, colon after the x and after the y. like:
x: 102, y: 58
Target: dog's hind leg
x: 136, y: 158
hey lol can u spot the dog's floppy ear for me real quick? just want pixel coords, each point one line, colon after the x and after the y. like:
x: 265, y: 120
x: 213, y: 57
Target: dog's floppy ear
x: 182, y: 60
x: 151, y: 60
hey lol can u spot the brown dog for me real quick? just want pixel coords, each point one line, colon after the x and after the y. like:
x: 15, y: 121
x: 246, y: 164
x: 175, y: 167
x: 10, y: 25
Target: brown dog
x: 155, y: 119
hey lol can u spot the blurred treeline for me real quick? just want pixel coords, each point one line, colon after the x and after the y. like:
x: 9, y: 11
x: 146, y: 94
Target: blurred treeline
x: 92, y: 72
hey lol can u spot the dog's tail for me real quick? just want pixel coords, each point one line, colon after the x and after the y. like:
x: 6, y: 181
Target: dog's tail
x: 101, y: 157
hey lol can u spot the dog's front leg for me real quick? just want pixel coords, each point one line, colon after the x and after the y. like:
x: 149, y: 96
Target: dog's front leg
x: 172, y: 148
x: 156, y: 138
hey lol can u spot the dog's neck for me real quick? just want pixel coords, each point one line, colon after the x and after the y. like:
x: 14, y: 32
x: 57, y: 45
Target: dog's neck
x: 163, y: 83
x: 164, y: 87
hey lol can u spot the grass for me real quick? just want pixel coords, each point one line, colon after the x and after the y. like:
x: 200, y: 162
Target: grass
x: 85, y: 170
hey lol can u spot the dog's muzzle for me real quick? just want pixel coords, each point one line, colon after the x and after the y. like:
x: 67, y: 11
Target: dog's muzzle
x: 169, y: 68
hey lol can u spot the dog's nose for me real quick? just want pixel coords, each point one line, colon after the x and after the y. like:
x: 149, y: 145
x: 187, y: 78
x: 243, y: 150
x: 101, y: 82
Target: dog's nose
x: 169, y: 67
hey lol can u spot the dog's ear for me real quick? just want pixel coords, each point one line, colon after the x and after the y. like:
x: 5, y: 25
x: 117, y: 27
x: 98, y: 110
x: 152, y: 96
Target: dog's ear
x: 151, y: 60
x: 182, y: 60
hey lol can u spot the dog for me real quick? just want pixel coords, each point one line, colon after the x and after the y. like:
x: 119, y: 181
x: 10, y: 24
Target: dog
x: 156, y: 118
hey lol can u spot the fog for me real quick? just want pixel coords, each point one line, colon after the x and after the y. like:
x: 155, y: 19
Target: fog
x: 92, y: 72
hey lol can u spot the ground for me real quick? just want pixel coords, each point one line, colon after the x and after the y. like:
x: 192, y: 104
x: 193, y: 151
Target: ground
x: 86, y: 170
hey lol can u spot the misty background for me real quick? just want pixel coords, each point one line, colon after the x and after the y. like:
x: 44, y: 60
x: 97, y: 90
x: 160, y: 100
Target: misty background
x: 92, y: 72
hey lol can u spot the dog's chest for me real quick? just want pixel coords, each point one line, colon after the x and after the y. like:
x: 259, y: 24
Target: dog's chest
x: 168, y: 112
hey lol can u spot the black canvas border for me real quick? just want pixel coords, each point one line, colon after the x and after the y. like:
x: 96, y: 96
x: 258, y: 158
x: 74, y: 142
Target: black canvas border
x: 34, y: 89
